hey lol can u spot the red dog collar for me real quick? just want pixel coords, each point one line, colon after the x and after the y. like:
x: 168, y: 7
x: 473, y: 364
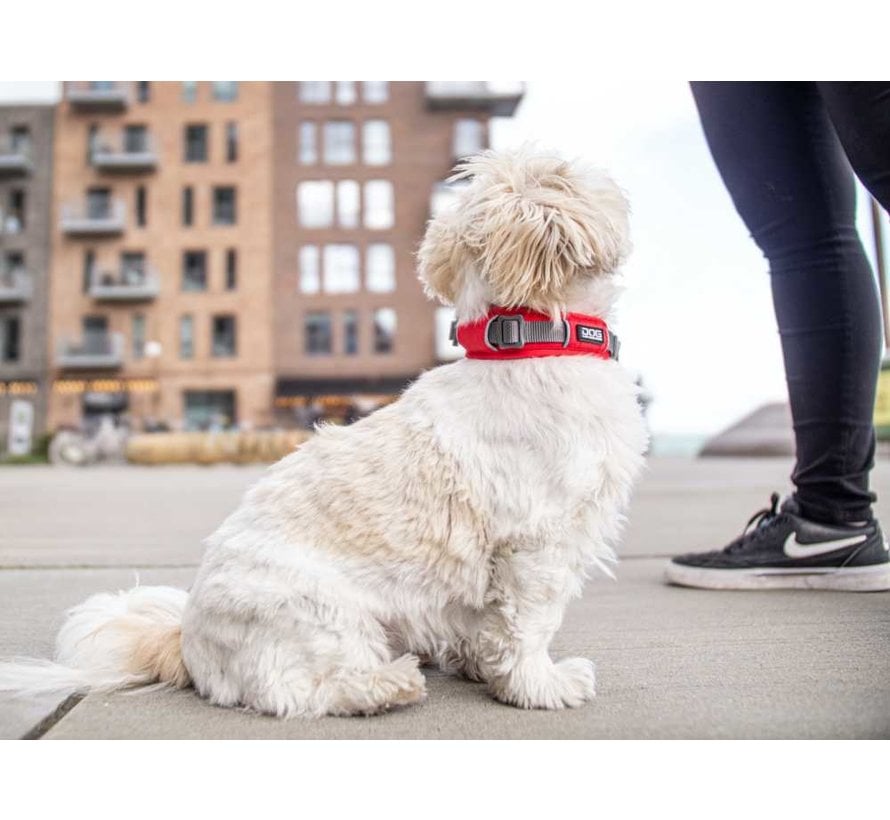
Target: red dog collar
x: 526, y: 334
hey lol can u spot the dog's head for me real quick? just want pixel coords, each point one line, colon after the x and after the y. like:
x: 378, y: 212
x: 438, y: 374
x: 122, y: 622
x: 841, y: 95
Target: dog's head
x: 528, y: 229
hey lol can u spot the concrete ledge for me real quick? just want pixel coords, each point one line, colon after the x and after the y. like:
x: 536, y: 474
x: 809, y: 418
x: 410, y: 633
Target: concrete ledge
x: 765, y: 432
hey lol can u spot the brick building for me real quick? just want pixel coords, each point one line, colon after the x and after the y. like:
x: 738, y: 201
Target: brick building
x: 161, y: 304
x: 243, y: 253
x: 358, y: 166
x: 26, y: 145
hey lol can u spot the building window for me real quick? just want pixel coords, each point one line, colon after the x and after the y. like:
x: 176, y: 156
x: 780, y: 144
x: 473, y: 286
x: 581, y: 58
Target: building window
x: 14, y: 218
x: 384, y: 330
x: 135, y: 139
x: 89, y: 265
x: 231, y: 269
x: 209, y: 409
x: 308, y: 143
x: 347, y: 203
x: 339, y: 142
x: 375, y: 92
x: 133, y: 268
x: 10, y: 338
x: 231, y: 142
x: 141, y: 206
x: 194, y: 270
x: 344, y: 93
x: 143, y: 91
x: 138, y: 336
x: 225, y: 91
x: 315, y: 93
x: 13, y: 265
x: 20, y: 139
x: 350, y: 332
x: 195, y: 143
x: 380, y: 268
x: 341, y: 269
x: 189, y: 91
x: 186, y: 337
x: 376, y: 147
x: 98, y: 203
x: 315, y: 203
x: 223, y: 343
x: 188, y: 206
x: 224, y: 205
x: 379, y: 205
x: 310, y: 273
x: 317, y: 328
x: 469, y: 138
x: 93, y: 142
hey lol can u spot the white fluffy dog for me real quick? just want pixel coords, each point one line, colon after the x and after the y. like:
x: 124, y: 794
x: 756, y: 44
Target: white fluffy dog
x: 453, y: 525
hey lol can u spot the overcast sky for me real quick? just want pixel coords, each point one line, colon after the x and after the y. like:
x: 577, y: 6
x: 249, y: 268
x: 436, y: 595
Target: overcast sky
x: 696, y: 320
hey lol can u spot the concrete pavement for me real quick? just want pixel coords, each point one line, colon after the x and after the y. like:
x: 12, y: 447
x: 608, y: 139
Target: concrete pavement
x: 670, y: 662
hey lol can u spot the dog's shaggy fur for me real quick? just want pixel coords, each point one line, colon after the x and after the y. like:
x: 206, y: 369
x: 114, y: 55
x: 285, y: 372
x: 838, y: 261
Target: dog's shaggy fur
x: 453, y: 525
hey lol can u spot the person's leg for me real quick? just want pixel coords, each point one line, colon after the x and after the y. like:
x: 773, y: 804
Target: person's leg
x: 860, y: 113
x: 783, y: 165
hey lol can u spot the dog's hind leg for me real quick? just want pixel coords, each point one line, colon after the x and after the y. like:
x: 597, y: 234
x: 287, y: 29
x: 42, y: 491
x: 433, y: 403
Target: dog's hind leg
x: 309, y: 659
x: 328, y: 688
x: 370, y: 691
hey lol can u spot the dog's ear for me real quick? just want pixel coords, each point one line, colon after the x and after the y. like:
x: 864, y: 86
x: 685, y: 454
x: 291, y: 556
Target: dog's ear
x: 443, y: 258
x: 529, y: 225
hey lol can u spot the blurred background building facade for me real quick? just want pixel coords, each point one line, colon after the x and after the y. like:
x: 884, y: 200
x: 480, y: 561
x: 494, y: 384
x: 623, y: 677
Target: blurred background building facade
x: 210, y: 254
x: 26, y: 148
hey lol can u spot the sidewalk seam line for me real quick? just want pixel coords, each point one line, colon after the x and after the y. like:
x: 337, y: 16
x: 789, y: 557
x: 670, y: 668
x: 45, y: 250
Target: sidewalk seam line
x: 43, y: 726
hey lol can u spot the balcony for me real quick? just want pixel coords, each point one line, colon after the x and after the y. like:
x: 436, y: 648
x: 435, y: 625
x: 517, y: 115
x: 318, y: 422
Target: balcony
x: 498, y: 99
x: 98, y: 95
x: 94, y: 219
x: 127, y: 153
x: 126, y: 285
x: 15, y: 157
x: 98, y: 351
x: 15, y: 286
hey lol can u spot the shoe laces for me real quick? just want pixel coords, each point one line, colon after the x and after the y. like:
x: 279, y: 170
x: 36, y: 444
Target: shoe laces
x: 757, y: 524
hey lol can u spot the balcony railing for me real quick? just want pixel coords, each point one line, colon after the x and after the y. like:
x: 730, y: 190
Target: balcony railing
x: 110, y: 96
x: 15, y: 286
x: 498, y: 99
x: 101, y: 351
x: 89, y: 219
x: 11, y: 223
x: 123, y: 155
x: 127, y: 285
x: 15, y: 157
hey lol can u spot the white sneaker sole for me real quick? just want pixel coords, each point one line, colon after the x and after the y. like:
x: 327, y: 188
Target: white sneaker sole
x: 875, y: 578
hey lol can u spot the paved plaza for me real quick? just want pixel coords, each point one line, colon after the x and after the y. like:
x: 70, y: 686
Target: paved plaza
x: 671, y: 662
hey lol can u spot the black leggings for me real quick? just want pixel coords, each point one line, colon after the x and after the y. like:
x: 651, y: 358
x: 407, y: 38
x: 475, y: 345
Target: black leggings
x: 782, y: 150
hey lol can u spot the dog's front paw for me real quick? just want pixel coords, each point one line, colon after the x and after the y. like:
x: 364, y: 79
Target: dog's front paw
x: 578, y: 680
x: 569, y: 683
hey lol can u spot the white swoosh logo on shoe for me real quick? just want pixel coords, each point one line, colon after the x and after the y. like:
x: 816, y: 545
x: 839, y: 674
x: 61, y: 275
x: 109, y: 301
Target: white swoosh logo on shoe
x: 794, y: 549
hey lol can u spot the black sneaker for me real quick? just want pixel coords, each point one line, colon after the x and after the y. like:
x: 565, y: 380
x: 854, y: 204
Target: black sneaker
x: 781, y: 550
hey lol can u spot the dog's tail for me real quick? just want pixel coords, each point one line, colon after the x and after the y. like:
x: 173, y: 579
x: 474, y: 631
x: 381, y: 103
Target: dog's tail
x: 109, y: 642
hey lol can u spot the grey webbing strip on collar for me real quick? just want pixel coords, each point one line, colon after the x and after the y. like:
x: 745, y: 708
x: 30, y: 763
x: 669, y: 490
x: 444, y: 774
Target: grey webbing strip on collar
x: 546, y: 332
x: 515, y: 331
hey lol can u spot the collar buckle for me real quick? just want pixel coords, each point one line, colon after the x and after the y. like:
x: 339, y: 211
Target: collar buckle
x: 505, y: 332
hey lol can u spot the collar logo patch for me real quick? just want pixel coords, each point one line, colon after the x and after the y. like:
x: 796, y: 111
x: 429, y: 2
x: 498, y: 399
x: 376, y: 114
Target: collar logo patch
x: 593, y: 335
